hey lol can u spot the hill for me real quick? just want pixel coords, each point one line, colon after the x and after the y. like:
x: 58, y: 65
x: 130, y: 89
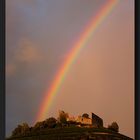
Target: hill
x: 68, y: 127
x: 72, y: 133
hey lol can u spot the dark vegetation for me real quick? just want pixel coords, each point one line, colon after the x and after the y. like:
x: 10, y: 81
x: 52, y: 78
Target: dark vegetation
x: 114, y: 127
x: 61, y: 129
x: 85, y: 115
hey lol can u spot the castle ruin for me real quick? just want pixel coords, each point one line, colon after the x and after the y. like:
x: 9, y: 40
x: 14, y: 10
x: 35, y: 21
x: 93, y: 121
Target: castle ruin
x: 94, y: 121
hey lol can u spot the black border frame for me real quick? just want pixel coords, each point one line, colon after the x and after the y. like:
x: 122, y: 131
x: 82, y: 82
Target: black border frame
x: 2, y: 69
x: 137, y: 69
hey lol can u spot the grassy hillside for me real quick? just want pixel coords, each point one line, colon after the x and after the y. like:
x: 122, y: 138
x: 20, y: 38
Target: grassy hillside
x: 72, y: 133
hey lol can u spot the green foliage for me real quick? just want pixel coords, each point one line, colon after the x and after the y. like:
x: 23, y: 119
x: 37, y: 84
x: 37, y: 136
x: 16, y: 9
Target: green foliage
x: 114, y: 127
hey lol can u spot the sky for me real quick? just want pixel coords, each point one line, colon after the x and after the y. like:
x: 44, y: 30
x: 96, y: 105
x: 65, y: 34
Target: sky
x: 39, y: 35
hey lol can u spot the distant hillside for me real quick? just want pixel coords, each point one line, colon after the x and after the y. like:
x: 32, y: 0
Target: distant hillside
x: 72, y: 133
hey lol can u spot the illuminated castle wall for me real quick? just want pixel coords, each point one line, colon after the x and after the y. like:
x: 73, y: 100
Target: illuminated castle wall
x: 94, y: 121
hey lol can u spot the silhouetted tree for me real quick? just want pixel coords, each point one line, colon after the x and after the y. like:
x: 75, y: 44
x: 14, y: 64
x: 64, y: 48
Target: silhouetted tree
x: 85, y: 115
x: 31, y: 128
x: 17, y: 131
x: 21, y: 129
x: 25, y: 128
x: 63, y: 117
x: 39, y: 125
x: 58, y: 124
x: 114, y: 127
x: 51, y: 122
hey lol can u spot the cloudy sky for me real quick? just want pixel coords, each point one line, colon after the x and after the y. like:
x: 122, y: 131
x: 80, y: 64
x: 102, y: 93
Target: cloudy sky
x: 39, y: 35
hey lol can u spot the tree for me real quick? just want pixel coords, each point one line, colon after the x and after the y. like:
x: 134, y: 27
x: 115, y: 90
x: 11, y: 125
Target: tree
x: 114, y: 127
x: 39, y: 125
x: 85, y: 115
x: 63, y: 117
x: 21, y: 129
x: 25, y: 128
x: 17, y: 131
x: 51, y: 122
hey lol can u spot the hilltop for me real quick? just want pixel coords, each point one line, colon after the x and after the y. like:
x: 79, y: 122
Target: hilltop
x: 67, y: 127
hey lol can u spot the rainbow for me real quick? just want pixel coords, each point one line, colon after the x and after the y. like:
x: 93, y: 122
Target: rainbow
x: 71, y: 58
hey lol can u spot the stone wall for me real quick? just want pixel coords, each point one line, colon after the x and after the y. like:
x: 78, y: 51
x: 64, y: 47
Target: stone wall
x: 83, y: 120
x: 96, y: 121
